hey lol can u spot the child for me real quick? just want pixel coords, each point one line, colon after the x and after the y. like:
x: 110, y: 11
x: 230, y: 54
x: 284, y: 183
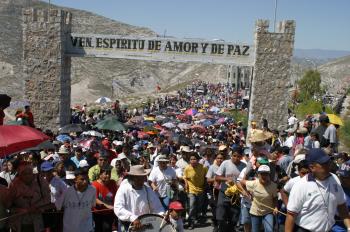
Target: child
x: 175, y: 210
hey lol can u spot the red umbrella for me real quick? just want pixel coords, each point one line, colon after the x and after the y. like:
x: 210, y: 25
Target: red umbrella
x: 14, y: 138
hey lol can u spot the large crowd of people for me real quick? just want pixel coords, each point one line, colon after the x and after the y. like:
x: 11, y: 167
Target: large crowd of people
x: 182, y: 157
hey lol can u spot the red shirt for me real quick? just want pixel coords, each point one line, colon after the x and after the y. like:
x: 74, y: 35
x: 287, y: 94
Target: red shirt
x: 105, y: 193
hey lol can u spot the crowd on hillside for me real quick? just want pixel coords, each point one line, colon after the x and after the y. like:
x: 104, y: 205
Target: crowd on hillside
x: 182, y: 157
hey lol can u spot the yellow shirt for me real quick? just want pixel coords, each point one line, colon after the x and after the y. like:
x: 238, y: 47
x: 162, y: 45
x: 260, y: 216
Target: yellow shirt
x: 195, y: 177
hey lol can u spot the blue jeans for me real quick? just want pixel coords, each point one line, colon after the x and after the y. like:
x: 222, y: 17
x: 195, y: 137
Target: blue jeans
x: 196, y: 202
x: 266, y: 220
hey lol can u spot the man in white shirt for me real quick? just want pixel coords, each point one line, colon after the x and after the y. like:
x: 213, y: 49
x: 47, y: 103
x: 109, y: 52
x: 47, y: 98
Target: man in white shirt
x: 162, y: 179
x: 314, y: 199
x: 77, y: 202
x: 134, y: 199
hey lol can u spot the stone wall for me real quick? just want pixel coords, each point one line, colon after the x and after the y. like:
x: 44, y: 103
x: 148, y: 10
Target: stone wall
x: 273, y: 55
x: 46, y: 68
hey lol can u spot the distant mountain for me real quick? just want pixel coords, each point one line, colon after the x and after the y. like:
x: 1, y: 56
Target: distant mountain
x: 319, y: 54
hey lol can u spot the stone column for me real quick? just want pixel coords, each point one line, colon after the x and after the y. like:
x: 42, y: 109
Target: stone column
x: 46, y: 67
x: 274, y: 50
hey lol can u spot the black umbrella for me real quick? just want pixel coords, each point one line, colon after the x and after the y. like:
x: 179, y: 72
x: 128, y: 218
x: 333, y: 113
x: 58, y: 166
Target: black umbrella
x: 4, y: 101
x: 72, y: 128
x: 45, y: 145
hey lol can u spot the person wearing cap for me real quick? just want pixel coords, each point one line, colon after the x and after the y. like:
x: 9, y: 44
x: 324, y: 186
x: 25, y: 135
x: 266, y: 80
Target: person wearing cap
x: 134, y: 199
x: 263, y: 193
x: 314, y: 200
x: 64, y: 156
x: 175, y: 211
x: 194, y: 177
x: 102, y: 160
x: 163, y: 179
x: 77, y: 202
x: 105, y: 194
x: 227, y: 214
x: 185, y: 152
x: 57, y: 189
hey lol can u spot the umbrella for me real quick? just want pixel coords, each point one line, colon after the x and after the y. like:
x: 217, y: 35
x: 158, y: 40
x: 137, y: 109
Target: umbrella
x: 4, y: 101
x: 87, y: 143
x: 93, y: 133
x: 142, y: 135
x: 44, y: 145
x: 335, y: 119
x: 191, y: 112
x: 63, y: 138
x: 183, y: 117
x: 184, y: 140
x: 150, y: 128
x: 14, y: 122
x: 169, y: 125
x: 220, y: 121
x: 111, y: 123
x: 71, y: 128
x: 184, y: 126
x: 103, y: 100
x: 214, y: 109
x: 149, y: 118
x: 14, y: 138
x: 207, y: 123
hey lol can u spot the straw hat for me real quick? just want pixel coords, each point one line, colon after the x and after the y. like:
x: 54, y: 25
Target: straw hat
x: 138, y: 170
x: 260, y: 136
x: 63, y: 150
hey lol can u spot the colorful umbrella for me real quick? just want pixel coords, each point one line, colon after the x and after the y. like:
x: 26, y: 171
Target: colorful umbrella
x: 169, y: 125
x: 112, y: 124
x: 14, y: 138
x: 184, y: 126
x: 136, y: 120
x: 214, y: 109
x: 149, y: 118
x: 191, y: 112
x: 63, y: 138
x: 93, y: 133
x: 198, y: 128
x: 335, y: 119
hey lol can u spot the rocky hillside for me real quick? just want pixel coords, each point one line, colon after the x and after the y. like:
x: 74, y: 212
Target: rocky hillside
x: 336, y: 74
x: 92, y: 78
x: 133, y: 80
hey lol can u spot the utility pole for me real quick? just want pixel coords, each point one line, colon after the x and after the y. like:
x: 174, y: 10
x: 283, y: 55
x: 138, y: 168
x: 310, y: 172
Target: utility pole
x: 274, y: 18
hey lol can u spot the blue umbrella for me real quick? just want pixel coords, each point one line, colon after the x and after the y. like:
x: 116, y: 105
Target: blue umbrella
x: 63, y: 138
x: 207, y: 123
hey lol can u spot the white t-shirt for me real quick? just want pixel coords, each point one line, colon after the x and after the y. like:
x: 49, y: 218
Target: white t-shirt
x: 77, y: 206
x: 292, y: 120
x: 163, y: 179
x: 315, y: 202
x: 289, y: 185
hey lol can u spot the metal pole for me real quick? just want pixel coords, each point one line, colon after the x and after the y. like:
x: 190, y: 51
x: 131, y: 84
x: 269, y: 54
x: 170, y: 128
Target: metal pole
x: 274, y: 19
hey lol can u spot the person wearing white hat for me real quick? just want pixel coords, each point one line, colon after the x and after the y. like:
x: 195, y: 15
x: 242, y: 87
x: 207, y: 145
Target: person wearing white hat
x: 134, y: 199
x: 162, y: 179
x: 264, y: 199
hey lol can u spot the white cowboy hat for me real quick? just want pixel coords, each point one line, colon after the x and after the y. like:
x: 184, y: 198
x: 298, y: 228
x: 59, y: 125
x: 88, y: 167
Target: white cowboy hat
x: 138, y: 170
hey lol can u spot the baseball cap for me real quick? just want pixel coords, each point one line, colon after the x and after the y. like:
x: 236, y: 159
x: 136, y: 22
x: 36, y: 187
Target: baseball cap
x: 176, y: 205
x: 263, y: 168
x: 317, y: 155
x: 344, y: 170
x: 262, y: 160
x: 46, y: 166
x: 83, y: 164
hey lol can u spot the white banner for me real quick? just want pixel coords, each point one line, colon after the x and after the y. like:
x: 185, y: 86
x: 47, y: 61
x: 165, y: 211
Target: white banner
x: 160, y: 49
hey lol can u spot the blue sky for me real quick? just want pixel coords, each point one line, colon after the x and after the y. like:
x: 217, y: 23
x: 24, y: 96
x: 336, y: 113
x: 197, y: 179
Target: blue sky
x: 321, y: 24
